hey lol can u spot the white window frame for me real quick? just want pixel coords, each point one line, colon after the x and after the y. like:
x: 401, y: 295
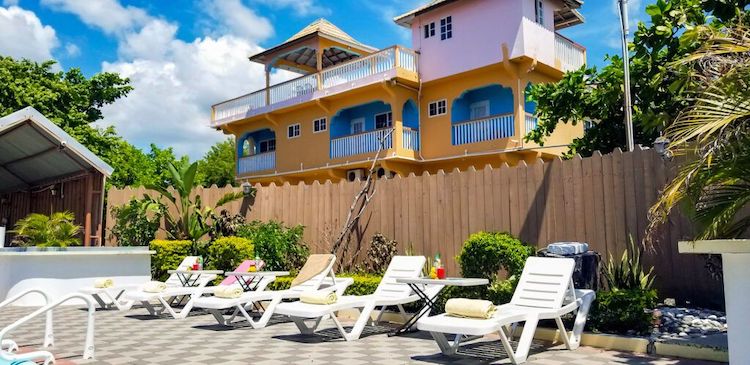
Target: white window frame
x: 446, y: 28
x: 437, y: 108
x: 291, y: 128
x: 390, y: 120
x: 315, y: 127
x: 267, y: 141
x: 481, y: 103
x: 354, y: 121
x: 428, y: 30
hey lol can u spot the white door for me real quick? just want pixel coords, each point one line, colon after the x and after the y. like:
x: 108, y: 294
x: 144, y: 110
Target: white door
x: 358, y: 125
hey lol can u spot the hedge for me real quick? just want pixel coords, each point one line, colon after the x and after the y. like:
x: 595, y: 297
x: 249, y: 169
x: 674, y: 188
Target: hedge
x: 363, y: 284
x: 169, y: 254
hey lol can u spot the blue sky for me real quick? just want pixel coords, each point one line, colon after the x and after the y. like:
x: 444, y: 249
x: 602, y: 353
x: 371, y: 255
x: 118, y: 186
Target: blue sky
x: 182, y: 56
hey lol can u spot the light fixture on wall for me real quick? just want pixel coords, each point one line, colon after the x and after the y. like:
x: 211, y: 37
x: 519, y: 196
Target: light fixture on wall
x: 247, y: 189
x: 660, y: 145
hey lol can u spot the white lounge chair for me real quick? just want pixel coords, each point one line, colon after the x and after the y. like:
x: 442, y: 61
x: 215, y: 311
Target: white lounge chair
x: 109, y: 297
x: 174, y: 294
x: 249, y: 300
x: 545, y: 291
x: 388, y: 293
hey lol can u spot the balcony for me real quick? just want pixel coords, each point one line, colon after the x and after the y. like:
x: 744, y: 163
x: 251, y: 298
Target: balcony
x: 571, y: 55
x: 494, y: 127
x: 259, y: 162
x: 531, y: 122
x: 383, y: 65
x: 366, y: 142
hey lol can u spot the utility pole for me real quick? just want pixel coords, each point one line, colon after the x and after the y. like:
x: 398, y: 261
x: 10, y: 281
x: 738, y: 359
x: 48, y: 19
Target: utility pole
x: 628, y: 104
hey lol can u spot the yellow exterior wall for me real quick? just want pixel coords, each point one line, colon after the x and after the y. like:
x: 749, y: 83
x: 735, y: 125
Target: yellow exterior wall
x: 306, y: 158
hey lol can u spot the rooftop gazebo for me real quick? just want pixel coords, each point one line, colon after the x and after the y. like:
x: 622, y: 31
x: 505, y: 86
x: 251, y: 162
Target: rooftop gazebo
x: 45, y: 170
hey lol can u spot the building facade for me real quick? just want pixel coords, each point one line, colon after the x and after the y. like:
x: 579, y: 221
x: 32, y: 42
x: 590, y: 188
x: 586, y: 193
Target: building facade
x: 455, y: 99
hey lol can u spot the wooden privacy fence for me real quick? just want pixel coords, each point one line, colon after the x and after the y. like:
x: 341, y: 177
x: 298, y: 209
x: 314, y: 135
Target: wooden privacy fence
x: 601, y: 200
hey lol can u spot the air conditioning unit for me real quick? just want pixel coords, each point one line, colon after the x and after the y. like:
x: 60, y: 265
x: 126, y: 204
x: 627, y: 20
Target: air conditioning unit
x: 355, y: 174
x: 382, y: 171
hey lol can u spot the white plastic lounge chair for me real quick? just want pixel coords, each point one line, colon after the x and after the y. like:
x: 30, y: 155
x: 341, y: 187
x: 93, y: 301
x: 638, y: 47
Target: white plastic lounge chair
x: 88, y: 350
x: 388, y: 293
x: 252, y: 299
x: 545, y: 291
x: 109, y: 297
x: 173, y: 295
x: 49, y: 337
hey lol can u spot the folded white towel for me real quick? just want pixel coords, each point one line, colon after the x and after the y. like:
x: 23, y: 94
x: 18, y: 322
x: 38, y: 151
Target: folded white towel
x: 318, y: 297
x: 567, y: 248
x: 228, y: 291
x: 154, y: 287
x: 470, y: 308
x: 103, y: 283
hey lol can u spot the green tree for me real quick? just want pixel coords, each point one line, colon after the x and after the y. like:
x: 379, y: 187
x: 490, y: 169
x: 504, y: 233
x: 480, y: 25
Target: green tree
x: 217, y: 166
x: 659, y: 93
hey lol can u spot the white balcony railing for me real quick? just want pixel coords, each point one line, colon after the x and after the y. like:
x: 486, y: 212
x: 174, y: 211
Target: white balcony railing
x: 255, y: 163
x: 531, y: 122
x: 495, y: 127
x: 571, y: 55
x: 358, y: 69
x: 356, y: 144
x: 410, y: 141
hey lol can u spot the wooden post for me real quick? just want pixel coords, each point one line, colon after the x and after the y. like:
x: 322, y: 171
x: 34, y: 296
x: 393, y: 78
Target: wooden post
x: 268, y: 85
x: 89, y: 200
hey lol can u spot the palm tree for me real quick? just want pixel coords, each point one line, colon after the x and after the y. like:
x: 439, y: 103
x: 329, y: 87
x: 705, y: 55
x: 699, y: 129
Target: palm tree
x: 55, y: 230
x: 713, y: 137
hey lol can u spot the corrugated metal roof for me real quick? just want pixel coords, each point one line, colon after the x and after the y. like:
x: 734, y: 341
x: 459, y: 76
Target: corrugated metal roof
x: 33, y: 150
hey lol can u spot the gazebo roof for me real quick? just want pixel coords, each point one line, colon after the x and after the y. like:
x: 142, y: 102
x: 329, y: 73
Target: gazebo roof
x: 34, y: 151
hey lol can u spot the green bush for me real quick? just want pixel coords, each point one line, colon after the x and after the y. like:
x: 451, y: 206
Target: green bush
x: 227, y: 253
x: 622, y: 311
x: 136, y: 222
x: 363, y: 284
x: 169, y: 254
x: 40, y: 230
x: 279, y: 246
x: 485, y: 253
x: 379, y: 255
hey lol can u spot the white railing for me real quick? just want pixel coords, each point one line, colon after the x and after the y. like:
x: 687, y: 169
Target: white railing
x: 359, y: 68
x: 49, y: 337
x: 410, y: 139
x: 531, y: 122
x: 495, y: 127
x: 258, y: 162
x: 293, y: 88
x: 407, y: 59
x: 342, y: 74
x: 356, y: 144
x: 570, y: 55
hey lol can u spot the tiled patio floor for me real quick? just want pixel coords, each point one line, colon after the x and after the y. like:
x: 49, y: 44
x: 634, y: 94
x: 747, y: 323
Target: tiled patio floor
x: 135, y: 338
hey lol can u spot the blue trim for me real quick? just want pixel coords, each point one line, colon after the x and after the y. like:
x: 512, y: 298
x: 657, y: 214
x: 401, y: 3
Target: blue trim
x: 499, y: 97
x: 410, y: 114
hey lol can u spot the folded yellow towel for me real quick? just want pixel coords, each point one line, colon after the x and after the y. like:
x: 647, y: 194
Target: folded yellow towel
x: 103, y: 283
x: 228, y: 291
x: 318, y: 297
x: 469, y: 308
x: 154, y: 287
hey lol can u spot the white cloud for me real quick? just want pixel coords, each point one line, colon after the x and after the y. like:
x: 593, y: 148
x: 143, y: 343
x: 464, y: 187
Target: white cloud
x: 300, y: 7
x: 230, y: 16
x: 72, y: 50
x: 22, y: 35
x: 108, y: 15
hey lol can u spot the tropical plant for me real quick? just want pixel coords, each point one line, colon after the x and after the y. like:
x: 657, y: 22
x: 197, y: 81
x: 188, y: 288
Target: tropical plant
x: 280, y: 247
x: 136, y: 222
x: 55, y: 230
x: 191, y: 220
x: 226, y: 224
x: 712, y: 137
x: 628, y: 273
x: 379, y: 254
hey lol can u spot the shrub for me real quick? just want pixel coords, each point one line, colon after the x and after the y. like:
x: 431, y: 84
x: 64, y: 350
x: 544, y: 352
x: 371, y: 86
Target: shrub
x: 227, y: 253
x: 55, y: 230
x: 379, y: 254
x: 226, y: 225
x: 364, y: 284
x: 485, y: 253
x: 622, y: 311
x: 279, y: 246
x: 169, y: 254
x: 628, y: 273
x: 136, y: 222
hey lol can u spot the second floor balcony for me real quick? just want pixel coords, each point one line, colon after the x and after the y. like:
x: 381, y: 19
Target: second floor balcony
x: 384, y: 65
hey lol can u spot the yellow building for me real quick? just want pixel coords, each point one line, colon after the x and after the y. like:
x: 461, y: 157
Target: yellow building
x: 455, y: 99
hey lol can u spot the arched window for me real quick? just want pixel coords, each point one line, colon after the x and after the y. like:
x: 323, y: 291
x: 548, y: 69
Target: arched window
x: 247, y: 148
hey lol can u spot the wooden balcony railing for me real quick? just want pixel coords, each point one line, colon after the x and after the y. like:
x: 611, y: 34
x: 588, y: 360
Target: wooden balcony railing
x: 255, y: 163
x: 494, y: 127
x: 357, y: 69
